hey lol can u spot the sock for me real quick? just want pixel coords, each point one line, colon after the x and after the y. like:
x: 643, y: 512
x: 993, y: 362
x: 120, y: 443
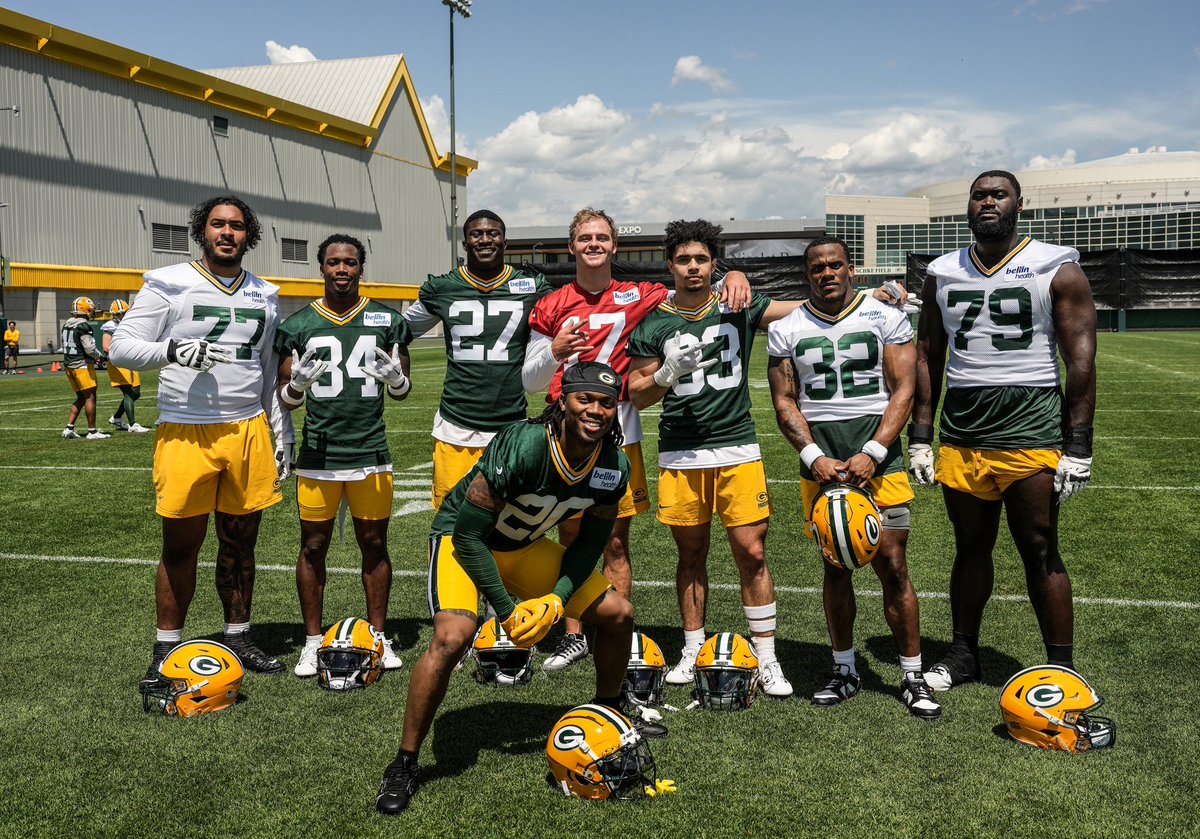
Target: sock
x: 693, y: 639
x: 764, y: 648
x: 910, y: 663
x: 173, y: 636
x: 761, y: 618
x: 312, y: 640
x: 91, y: 429
x: 1061, y: 654
x: 846, y: 658
x: 964, y: 643
x: 237, y: 628
x: 71, y: 426
x: 613, y: 702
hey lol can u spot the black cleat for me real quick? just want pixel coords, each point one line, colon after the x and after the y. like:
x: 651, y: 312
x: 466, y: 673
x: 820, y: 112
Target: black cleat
x: 953, y: 671
x: 400, y: 782
x: 841, y: 686
x: 918, y: 697
x: 252, y: 658
x: 161, y: 648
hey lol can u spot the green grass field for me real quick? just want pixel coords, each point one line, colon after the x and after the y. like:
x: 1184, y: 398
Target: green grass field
x: 79, y: 540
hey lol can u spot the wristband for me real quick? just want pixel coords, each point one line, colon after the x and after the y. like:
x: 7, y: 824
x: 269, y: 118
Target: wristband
x: 286, y: 397
x: 875, y: 450
x: 810, y: 454
x: 920, y: 432
x: 400, y: 391
x: 1077, y: 442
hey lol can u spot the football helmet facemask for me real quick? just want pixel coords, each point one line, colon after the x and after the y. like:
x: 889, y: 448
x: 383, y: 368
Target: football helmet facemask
x: 498, y: 661
x: 83, y: 306
x: 847, y: 526
x: 1050, y: 707
x: 647, y: 672
x: 595, y: 753
x: 350, y: 656
x: 726, y: 673
x: 196, y: 677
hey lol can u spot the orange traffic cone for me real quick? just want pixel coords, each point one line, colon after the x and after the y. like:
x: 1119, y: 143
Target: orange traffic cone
x: 54, y: 368
x: 40, y: 370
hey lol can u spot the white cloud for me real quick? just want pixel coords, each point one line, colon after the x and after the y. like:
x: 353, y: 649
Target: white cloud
x: 690, y: 68
x: 279, y: 54
x: 906, y: 142
x: 438, y: 120
x: 1053, y: 161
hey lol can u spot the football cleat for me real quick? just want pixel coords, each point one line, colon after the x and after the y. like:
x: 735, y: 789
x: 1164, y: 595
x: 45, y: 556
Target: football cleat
x: 571, y: 649
x: 846, y: 525
x: 498, y: 661
x: 646, y: 673
x: 69, y: 434
x: 400, y: 782
x: 726, y: 673
x: 390, y: 661
x: 684, y: 673
x: 918, y: 696
x: 951, y: 672
x: 772, y: 681
x: 1051, y: 707
x: 253, y: 659
x: 596, y: 753
x: 96, y: 434
x: 350, y: 656
x: 196, y: 677
x: 307, y: 665
x: 842, y: 686
x: 161, y: 648
x: 119, y: 424
x: 138, y: 429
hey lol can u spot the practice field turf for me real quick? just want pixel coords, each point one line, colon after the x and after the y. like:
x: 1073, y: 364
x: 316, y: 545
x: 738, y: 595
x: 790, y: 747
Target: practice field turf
x: 79, y: 541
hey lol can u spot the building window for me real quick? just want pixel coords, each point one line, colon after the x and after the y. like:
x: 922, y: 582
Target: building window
x: 295, y: 250
x: 221, y: 126
x: 169, y: 237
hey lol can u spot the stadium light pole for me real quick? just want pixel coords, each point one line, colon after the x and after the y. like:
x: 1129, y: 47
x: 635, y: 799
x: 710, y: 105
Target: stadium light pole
x: 4, y: 205
x: 463, y: 7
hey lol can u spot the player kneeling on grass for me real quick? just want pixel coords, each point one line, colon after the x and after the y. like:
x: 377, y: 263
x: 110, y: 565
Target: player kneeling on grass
x: 338, y: 356
x: 489, y: 537
x: 842, y: 372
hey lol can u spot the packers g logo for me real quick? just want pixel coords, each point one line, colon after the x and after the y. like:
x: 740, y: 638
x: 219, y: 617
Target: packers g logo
x: 569, y: 737
x: 871, y: 530
x: 1044, y: 696
x: 204, y: 665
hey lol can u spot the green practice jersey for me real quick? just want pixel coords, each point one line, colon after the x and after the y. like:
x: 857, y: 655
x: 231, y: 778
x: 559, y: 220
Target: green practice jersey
x: 486, y: 326
x: 710, y: 408
x: 525, y: 466
x: 75, y: 344
x: 343, y: 425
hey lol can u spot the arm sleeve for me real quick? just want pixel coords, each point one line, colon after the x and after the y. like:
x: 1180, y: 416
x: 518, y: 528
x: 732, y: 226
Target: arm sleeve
x: 279, y: 417
x: 138, y: 342
x: 470, y: 529
x: 88, y: 342
x: 420, y: 320
x: 540, y: 363
x: 579, y: 560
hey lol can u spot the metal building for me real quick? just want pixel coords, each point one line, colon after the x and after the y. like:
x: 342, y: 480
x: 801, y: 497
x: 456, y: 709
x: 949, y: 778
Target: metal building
x: 103, y: 151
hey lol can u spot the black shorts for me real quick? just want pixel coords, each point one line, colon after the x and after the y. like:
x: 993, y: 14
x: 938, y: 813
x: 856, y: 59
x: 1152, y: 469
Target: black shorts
x: 12, y: 352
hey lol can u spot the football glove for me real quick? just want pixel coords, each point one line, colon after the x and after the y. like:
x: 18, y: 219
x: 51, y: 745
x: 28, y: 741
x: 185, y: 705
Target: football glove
x: 920, y: 463
x: 910, y: 303
x: 386, y: 369
x: 534, y: 619
x: 285, y: 460
x: 682, y: 356
x: 306, y: 370
x: 198, y: 354
x: 1072, y: 475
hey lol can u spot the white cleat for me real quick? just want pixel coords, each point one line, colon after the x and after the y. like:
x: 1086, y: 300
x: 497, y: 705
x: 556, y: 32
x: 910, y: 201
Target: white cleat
x: 773, y: 682
x: 391, y: 661
x: 307, y: 665
x: 69, y: 434
x: 97, y: 435
x: 138, y: 429
x: 118, y: 424
x: 684, y: 673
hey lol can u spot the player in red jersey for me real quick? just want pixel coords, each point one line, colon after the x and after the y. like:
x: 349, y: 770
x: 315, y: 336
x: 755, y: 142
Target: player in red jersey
x: 591, y: 320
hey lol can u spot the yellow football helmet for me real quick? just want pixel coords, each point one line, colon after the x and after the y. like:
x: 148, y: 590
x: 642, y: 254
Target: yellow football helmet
x: 84, y: 306
x: 847, y: 526
x: 118, y: 307
x: 196, y: 677
x: 350, y: 656
x: 646, y: 673
x: 595, y: 753
x: 726, y: 673
x: 497, y: 659
x: 1050, y: 707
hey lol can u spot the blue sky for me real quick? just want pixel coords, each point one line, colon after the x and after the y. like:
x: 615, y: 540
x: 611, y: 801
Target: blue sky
x: 656, y: 110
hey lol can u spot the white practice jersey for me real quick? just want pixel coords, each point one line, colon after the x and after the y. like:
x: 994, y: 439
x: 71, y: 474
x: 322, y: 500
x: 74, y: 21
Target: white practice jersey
x: 1000, y: 320
x: 186, y: 301
x: 839, y: 358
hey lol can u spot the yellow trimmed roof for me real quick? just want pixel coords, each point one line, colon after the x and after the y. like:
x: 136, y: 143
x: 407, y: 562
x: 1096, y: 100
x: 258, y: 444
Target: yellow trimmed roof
x: 282, y: 94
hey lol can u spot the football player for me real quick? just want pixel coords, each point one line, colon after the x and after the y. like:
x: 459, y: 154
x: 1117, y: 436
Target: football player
x: 129, y: 382
x: 692, y: 354
x: 841, y: 372
x: 489, y: 537
x: 210, y: 326
x: 80, y: 355
x: 591, y: 320
x: 1005, y: 309
x: 337, y: 358
x: 483, y: 308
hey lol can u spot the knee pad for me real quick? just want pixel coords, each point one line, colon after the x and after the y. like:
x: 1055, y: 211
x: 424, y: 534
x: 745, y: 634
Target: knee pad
x: 896, y: 518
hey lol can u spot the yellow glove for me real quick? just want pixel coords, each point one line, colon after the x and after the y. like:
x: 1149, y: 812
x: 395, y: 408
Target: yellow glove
x: 534, y: 618
x: 510, y: 623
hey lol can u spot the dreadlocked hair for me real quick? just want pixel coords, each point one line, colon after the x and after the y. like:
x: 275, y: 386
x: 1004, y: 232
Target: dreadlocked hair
x: 554, y: 415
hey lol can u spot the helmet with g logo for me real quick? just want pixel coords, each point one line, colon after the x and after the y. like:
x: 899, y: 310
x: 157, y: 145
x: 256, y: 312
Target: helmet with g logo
x: 595, y: 753
x: 726, y: 673
x: 847, y: 526
x: 84, y: 306
x: 350, y: 656
x: 118, y: 307
x: 1050, y: 707
x: 197, y: 677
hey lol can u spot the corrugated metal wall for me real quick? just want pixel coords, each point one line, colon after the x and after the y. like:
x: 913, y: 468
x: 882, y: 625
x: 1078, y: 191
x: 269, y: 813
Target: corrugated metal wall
x: 93, y: 161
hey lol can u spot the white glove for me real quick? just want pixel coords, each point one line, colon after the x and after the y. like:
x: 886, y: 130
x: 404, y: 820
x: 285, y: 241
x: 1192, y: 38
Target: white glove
x: 683, y: 355
x: 306, y: 370
x: 285, y: 460
x: 387, y: 370
x: 198, y: 354
x: 910, y: 303
x: 920, y: 463
x: 1072, y: 475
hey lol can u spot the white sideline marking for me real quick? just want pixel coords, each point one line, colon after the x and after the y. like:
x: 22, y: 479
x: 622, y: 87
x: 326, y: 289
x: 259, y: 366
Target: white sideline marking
x: 83, y: 468
x: 931, y: 595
